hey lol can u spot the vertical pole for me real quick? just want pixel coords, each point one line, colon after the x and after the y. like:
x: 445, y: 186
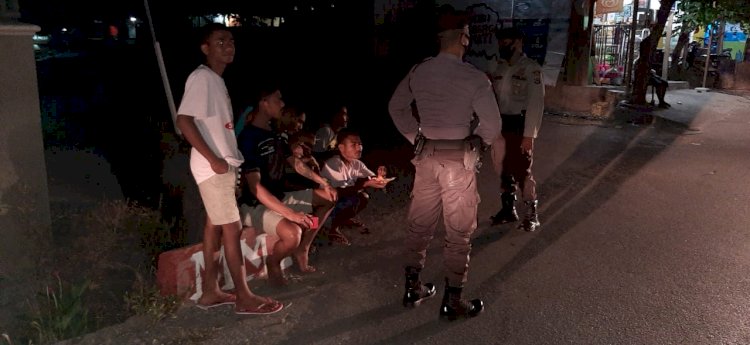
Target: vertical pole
x: 631, y: 51
x: 708, y: 55
x: 162, y: 69
x: 667, y: 48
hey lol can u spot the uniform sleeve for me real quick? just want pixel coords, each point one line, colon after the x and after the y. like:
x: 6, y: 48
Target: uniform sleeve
x: 400, y: 109
x: 535, y: 99
x: 485, y: 106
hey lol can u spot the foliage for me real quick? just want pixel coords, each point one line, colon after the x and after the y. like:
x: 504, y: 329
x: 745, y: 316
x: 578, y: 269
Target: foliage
x: 61, y: 313
x: 700, y: 13
x: 120, y: 219
x: 145, y: 299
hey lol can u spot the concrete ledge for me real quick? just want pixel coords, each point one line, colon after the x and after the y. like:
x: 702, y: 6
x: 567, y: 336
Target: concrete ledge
x: 180, y: 271
x: 576, y: 99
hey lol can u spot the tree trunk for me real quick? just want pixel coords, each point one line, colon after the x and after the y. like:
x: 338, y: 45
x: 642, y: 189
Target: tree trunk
x: 746, y: 57
x: 682, y: 42
x: 647, y: 47
x: 578, y: 54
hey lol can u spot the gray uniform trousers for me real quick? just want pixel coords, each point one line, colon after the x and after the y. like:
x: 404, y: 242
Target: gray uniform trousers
x: 442, y: 184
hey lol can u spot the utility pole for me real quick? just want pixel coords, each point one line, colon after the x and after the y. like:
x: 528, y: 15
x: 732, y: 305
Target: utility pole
x: 162, y: 69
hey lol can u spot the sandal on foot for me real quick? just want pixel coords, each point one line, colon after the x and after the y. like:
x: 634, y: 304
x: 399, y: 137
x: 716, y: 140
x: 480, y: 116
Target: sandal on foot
x: 308, y: 269
x: 263, y: 309
x: 354, y: 223
x: 338, y: 239
x: 229, y: 300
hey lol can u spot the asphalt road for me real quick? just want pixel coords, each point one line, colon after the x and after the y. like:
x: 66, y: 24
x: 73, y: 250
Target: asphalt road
x: 644, y: 240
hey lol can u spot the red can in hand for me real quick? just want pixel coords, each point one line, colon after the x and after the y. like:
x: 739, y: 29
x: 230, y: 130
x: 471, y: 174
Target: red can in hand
x: 314, y: 222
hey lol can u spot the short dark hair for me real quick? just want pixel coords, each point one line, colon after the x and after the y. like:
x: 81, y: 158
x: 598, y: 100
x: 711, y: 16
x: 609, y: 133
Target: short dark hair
x: 345, y: 134
x: 262, y: 88
x: 509, y: 33
x: 451, y: 19
x: 205, y: 31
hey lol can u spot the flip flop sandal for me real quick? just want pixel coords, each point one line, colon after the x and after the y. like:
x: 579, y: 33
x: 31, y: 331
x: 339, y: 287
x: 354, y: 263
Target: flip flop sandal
x: 354, y: 223
x: 230, y: 300
x: 308, y: 269
x: 263, y: 309
x: 339, y: 239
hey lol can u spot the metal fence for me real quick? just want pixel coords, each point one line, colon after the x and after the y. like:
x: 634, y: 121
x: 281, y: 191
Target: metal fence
x: 610, y: 46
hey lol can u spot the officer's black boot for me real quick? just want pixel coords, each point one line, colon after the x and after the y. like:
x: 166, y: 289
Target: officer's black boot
x: 455, y: 307
x: 416, y: 292
x: 508, y: 213
x: 531, y: 221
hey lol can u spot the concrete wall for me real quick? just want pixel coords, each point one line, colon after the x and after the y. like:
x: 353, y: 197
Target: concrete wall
x: 24, y: 198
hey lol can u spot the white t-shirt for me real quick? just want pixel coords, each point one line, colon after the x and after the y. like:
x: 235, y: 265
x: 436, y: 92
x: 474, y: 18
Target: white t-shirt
x: 207, y: 100
x: 342, y: 175
x: 324, y: 139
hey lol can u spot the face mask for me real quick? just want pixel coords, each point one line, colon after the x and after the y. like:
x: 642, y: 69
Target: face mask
x: 505, y: 52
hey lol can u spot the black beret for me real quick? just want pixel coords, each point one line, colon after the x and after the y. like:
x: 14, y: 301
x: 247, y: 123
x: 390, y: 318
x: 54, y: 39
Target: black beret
x: 450, y: 19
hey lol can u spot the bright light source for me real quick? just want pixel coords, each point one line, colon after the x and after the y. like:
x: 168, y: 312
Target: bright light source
x: 296, y: 9
x: 312, y: 8
x: 133, y: 19
x: 64, y: 30
x: 332, y: 5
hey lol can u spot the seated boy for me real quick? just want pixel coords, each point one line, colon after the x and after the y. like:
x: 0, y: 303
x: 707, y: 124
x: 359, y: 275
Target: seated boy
x: 350, y: 177
x: 271, y: 208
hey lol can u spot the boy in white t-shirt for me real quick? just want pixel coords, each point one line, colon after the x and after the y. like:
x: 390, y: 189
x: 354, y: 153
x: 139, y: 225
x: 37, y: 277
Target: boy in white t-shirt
x: 205, y: 119
x: 350, y: 177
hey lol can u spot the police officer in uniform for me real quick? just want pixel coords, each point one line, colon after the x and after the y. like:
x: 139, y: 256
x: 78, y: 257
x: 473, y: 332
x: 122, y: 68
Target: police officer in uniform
x: 519, y: 89
x: 445, y: 92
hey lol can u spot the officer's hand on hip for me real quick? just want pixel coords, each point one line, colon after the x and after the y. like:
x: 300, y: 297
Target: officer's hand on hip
x: 527, y: 145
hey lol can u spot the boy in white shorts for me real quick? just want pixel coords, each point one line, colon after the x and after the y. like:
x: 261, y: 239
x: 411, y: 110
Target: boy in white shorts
x: 205, y: 119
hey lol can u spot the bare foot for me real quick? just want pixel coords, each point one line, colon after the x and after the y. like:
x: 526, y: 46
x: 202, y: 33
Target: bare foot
x: 255, y: 302
x: 303, y: 262
x: 275, y: 275
x: 211, y: 299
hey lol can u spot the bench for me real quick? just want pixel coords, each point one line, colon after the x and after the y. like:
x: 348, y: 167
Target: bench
x: 180, y: 271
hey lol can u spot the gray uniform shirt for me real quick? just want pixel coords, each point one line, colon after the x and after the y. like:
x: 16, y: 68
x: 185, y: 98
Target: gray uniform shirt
x: 447, y: 92
x: 519, y: 86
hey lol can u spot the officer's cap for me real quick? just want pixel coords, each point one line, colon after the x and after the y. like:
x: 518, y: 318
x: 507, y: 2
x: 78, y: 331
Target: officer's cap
x: 509, y: 33
x: 450, y: 19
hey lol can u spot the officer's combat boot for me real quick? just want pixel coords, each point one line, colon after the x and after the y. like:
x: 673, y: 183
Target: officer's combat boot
x: 507, y: 214
x: 416, y: 292
x: 531, y: 220
x: 455, y: 307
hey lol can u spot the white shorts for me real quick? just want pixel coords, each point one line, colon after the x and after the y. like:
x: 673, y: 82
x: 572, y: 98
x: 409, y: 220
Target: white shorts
x: 261, y: 217
x: 219, y: 199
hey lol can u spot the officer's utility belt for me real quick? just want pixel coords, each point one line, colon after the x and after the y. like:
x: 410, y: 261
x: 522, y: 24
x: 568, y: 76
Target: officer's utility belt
x: 514, y: 123
x: 470, y: 148
x: 445, y: 144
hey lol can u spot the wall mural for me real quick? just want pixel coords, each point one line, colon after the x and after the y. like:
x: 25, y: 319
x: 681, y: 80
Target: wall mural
x: 545, y: 23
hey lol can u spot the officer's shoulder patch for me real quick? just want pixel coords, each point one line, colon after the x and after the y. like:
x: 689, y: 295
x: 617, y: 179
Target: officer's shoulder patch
x: 537, y: 77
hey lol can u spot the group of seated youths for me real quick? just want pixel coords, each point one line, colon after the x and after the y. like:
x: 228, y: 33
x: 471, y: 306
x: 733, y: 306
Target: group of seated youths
x: 287, y: 192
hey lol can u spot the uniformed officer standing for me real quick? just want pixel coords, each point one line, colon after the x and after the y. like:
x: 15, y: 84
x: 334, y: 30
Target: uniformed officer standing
x: 519, y: 89
x: 446, y: 91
